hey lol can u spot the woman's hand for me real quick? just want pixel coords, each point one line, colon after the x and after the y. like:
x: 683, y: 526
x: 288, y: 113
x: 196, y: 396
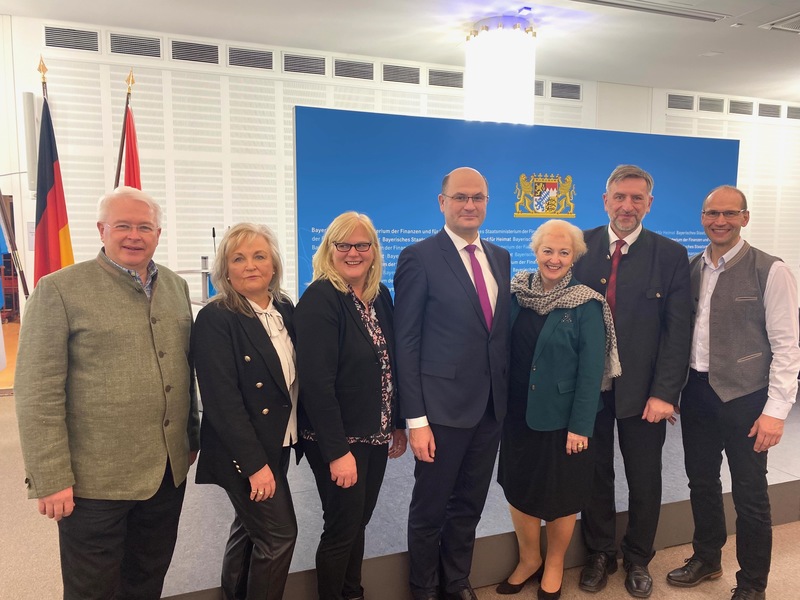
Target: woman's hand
x: 343, y: 471
x: 262, y: 484
x: 398, y: 446
x: 576, y: 443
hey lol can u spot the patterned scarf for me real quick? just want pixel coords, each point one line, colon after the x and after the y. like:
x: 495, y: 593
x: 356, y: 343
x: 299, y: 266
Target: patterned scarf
x: 529, y: 291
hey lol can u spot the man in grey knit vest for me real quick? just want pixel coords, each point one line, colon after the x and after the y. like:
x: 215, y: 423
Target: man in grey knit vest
x: 742, y: 384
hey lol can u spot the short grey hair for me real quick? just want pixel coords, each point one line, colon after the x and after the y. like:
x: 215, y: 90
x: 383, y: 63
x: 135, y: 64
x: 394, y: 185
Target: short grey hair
x: 131, y: 193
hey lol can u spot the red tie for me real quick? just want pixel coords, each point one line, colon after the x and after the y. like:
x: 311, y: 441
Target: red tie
x: 480, y: 286
x: 611, y: 290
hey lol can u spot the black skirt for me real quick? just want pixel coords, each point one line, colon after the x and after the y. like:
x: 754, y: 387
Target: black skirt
x: 538, y: 477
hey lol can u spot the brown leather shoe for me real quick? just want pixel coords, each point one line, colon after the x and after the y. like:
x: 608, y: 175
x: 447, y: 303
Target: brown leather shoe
x: 694, y: 572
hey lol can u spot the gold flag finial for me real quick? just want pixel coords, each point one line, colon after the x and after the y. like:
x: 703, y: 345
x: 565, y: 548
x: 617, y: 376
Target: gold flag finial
x: 130, y: 80
x: 42, y: 69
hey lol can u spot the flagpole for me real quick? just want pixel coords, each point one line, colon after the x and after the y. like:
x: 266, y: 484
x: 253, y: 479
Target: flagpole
x: 130, y: 81
x: 43, y: 69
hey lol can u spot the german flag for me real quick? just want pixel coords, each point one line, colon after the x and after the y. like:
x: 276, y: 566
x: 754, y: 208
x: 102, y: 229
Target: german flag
x: 53, y: 246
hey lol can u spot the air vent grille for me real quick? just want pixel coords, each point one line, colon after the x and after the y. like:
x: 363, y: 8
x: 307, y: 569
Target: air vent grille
x: 353, y: 69
x: 135, y: 45
x: 74, y: 39
x: 567, y: 91
x: 740, y: 107
x: 452, y: 79
x: 680, y: 102
x: 310, y: 65
x: 657, y: 8
x: 400, y: 74
x: 716, y: 105
x: 793, y: 112
x: 769, y: 110
x: 538, y: 88
x: 253, y: 59
x: 194, y: 52
x: 790, y: 24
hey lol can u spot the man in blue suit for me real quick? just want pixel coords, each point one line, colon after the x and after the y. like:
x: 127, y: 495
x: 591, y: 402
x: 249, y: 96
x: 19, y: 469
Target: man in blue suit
x: 452, y: 305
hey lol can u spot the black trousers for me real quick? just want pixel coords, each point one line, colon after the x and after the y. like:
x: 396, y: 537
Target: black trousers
x: 640, y: 443
x: 261, y: 542
x: 346, y: 513
x: 709, y: 427
x: 446, y: 505
x: 120, y: 549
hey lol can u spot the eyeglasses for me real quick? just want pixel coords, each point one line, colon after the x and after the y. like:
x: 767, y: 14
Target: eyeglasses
x: 345, y: 247
x: 144, y: 229
x: 713, y: 215
x: 463, y: 198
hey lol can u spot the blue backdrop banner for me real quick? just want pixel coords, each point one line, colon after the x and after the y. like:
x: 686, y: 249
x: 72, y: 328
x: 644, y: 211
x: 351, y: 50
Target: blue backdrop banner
x: 391, y: 168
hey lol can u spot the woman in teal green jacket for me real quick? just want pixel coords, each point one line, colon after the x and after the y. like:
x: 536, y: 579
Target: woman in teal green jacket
x: 562, y: 349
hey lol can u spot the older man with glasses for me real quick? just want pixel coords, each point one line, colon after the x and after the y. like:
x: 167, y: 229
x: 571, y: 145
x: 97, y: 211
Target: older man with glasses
x: 107, y: 414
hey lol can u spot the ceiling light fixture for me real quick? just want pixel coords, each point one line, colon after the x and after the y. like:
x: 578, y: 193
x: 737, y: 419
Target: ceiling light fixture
x: 500, y: 74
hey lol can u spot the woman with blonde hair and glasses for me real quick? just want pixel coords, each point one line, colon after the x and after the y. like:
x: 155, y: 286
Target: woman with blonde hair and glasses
x: 243, y: 348
x: 348, y: 421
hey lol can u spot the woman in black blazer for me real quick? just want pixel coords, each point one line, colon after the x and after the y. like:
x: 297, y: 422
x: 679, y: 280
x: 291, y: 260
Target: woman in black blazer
x: 243, y: 349
x: 348, y: 401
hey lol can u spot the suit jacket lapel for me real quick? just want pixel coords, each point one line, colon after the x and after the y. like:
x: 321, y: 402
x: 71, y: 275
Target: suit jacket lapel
x: 353, y: 313
x: 453, y: 259
x: 255, y: 332
x: 553, y: 319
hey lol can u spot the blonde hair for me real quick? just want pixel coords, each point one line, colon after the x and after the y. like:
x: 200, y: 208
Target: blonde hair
x: 556, y: 227
x: 237, y: 235
x: 339, y: 230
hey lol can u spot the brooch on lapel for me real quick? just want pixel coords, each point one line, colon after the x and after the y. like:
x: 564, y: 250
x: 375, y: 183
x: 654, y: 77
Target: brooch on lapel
x: 567, y: 318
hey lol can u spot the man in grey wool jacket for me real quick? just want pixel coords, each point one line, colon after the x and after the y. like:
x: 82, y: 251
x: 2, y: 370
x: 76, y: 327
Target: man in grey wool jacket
x: 106, y: 407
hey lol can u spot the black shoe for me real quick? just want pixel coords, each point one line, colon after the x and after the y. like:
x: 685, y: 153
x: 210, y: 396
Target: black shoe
x: 740, y: 593
x: 542, y: 595
x: 515, y: 588
x: 638, y: 581
x: 695, y: 571
x: 465, y: 593
x: 594, y: 575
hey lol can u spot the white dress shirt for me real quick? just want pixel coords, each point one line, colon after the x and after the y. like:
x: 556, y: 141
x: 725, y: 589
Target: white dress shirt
x: 461, y: 244
x: 780, y: 306
x: 272, y: 321
x: 628, y: 239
